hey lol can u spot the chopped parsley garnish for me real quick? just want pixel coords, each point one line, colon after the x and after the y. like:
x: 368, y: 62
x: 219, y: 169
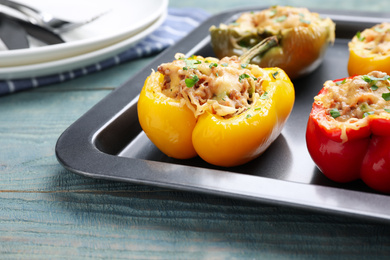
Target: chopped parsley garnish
x: 338, y: 83
x: 258, y: 108
x: 272, y: 13
x: 359, y: 36
x: 370, y: 79
x: 280, y: 19
x: 243, y: 66
x: 304, y: 21
x: 368, y: 113
x: 379, y: 30
x: 192, y: 64
x: 245, y: 76
x: 213, y: 65
x: 264, y: 96
x: 386, y: 96
x: 275, y: 74
x: 190, y: 82
x: 248, y: 116
x: 334, y: 113
x: 387, y: 110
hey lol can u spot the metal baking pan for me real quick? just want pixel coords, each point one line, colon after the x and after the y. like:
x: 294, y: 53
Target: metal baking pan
x: 108, y: 142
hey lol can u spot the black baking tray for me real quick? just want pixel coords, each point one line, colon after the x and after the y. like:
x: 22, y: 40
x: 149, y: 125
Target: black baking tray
x: 107, y: 142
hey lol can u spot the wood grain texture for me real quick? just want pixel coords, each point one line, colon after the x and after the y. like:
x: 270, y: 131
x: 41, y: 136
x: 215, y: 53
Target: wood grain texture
x: 47, y: 212
x: 141, y: 223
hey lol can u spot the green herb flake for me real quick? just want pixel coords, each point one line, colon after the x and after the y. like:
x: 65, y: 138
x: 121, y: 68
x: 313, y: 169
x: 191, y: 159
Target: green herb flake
x: 370, y: 79
x: 367, y: 79
x: 213, y: 65
x: 386, y: 96
x: 224, y: 64
x: 338, y: 83
x: 235, y: 24
x: 243, y: 76
x: 243, y: 66
x: 264, y: 96
x: 190, y: 82
x: 248, y: 116
x: 374, y: 87
x: 272, y: 13
x: 275, y: 74
x: 387, y: 110
x: 280, y: 19
x: 359, y: 36
x: 257, y: 108
x: 368, y: 113
x: 192, y: 64
x: 304, y: 21
x: 379, y: 30
x: 334, y: 113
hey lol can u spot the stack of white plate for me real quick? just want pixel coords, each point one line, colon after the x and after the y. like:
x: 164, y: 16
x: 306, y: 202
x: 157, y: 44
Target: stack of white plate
x: 124, y: 24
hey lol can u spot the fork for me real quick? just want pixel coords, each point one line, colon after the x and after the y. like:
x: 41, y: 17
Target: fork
x: 46, y: 20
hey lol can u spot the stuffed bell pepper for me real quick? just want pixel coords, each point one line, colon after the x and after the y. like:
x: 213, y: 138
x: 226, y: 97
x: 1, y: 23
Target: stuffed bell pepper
x: 348, y: 132
x: 370, y: 50
x: 226, y: 111
x: 304, y: 37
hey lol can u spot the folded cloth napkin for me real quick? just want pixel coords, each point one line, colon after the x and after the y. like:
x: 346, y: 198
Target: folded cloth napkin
x: 179, y: 22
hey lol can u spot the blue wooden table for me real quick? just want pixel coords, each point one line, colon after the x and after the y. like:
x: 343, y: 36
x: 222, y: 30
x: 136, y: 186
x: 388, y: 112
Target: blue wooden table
x: 47, y: 212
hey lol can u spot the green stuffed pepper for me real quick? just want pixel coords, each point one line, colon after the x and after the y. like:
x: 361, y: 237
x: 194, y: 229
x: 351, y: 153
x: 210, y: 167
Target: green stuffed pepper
x: 303, y: 38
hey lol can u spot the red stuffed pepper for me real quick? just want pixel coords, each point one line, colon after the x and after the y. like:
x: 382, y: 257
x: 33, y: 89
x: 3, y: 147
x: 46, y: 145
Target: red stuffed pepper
x: 348, y: 132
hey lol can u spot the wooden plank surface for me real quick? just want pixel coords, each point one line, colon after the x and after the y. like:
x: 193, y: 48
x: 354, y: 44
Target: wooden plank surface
x: 47, y: 212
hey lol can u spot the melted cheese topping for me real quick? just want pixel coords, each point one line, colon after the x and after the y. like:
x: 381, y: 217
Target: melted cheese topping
x: 278, y: 18
x: 349, y: 103
x: 372, y: 41
x: 224, y: 87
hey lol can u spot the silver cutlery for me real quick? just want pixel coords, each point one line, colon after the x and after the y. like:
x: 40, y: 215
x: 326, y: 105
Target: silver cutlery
x: 12, y: 34
x: 46, y: 20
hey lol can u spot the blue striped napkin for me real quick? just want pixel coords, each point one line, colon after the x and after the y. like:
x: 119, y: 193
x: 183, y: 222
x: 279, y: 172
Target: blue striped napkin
x: 179, y: 22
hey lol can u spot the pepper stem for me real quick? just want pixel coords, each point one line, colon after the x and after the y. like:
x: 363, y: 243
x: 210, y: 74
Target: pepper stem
x: 260, y: 48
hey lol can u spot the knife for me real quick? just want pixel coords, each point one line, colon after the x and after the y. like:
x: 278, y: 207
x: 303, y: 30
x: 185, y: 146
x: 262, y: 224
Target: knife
x: 35, y: 31
x: 12, y: 34
x: 41, y: 33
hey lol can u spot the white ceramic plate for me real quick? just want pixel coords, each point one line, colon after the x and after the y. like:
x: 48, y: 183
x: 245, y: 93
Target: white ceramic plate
x: 122, y: 19
x: 80, y: 61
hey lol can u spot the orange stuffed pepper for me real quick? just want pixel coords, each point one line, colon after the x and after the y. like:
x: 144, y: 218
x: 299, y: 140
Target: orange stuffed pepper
x: 303, y: 38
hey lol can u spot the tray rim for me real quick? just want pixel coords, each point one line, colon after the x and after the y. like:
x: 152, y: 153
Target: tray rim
x: 75, y: 149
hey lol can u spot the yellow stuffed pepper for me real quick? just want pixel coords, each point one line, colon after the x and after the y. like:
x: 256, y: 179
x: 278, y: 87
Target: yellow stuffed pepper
x: 226, y: 111
x: 370, y: 51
